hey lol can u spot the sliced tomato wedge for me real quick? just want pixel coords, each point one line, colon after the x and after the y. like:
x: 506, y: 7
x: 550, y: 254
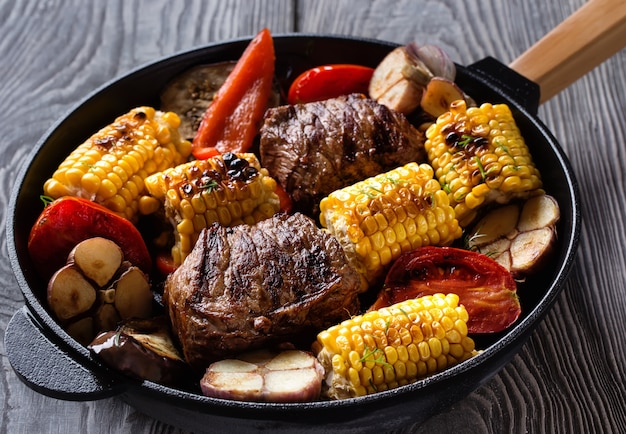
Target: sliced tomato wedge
x: 231, y: 121
x: 329, y: 81
x: 69, y: 220
x: 486, y: 289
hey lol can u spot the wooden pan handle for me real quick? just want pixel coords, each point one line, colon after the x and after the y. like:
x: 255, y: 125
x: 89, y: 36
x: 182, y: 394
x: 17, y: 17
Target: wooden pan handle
x: 587, y: 38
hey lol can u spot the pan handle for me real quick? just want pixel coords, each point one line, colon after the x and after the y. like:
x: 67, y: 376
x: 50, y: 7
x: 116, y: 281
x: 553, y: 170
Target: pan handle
x: 48, y: 369
x: 588, y: 37
x: 496, y: 74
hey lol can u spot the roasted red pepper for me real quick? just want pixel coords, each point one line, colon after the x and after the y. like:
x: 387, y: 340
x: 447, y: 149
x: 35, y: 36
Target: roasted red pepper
x: 329, y: 81
x: 231, y: 121
x: 286, y: 204
x: 165, y: 264
x: 486, y: 289
x: 70, y: 220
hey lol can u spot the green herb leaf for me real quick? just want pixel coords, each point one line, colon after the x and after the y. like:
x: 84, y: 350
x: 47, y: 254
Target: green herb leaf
x: 210, y: 185
x: 47, y: 200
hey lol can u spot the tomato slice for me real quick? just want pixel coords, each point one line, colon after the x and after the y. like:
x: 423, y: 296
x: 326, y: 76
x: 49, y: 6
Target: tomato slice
x: 329, y: 81
x: 69, y: 220
x: 486, y: 289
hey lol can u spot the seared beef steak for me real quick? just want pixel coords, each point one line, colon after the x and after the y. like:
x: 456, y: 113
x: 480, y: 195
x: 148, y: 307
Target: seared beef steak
x: 249, y: 286
x: 316, y: 148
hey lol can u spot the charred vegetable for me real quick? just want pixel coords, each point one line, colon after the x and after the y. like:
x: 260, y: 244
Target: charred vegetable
x: 480, y: 158
x: 484, y: 287
x: 109, y: 168
x: 68, y: 221
x: 229, y: 189
x: 519, y: 236
x: 143, y: 348
x: 400, y: 80
x: 231, y: 121
x: 98, y: 259
x: 438, y: 94
x: 329, y: 81
x: 265, y: 376
x: 97, y: 288
x: 378, y: 219
x: 393, y: 346
x: 191, y: 93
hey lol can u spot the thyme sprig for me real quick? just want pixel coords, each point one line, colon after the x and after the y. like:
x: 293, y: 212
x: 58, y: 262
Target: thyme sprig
x: 47, y: 200
x: 209, y: 186
x: 371, y: 352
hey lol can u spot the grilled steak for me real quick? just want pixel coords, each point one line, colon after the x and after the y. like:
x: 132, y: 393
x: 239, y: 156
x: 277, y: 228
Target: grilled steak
x: 316, y: 148
x: 250, y: 286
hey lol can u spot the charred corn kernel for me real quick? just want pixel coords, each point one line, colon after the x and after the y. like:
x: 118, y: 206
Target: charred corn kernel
x: 378, y: 219
x: 388, y: 360
x: 227, y: 189
x: 480, y: 157
x: 119, y: 157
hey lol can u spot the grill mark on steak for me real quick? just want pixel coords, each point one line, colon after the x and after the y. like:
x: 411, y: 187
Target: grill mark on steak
x: 249, y: 286
x: 316, y: 148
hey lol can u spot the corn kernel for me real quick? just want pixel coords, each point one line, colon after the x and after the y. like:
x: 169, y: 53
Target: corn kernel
x: 456, y: 351
x: 391, y: 354
x: 353, y: 376
x: 403, y: 353
x: 339, y: 366
x: 90, y: 183
x: 435, y: 347
x: 431, y: 366
x: 343, y: 344
x: 116, y: 204
x: 185, y: 227
x: 148, y: 205
x: 186, y: 243
x: 365, y: 376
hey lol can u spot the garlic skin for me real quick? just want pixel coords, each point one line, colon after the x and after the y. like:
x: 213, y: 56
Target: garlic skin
x: 401, y: 80
x: 434, y: 58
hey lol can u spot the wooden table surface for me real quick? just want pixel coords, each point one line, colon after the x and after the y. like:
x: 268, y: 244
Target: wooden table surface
x: 569, y: 377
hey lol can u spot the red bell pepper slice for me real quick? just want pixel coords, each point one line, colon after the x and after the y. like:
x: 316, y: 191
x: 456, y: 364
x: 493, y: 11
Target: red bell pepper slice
x: 329, y: 81
x: 486, y: 289
x: 231, y: 121
x: 286, y: 203
x: 165, y: 263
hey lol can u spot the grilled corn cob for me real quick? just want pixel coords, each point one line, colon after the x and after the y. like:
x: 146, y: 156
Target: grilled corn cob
x: 110, y: 167
x: 228, y: 189
x: 378, y: 219
x: 480, y: 157
x: 387, y: 348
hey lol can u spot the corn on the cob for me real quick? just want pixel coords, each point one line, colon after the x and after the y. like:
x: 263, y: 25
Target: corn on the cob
x: 110, y: 167
x: 480, y: 157
x: 228, y: 189
x: 394, y: 346
x: 378, y: 219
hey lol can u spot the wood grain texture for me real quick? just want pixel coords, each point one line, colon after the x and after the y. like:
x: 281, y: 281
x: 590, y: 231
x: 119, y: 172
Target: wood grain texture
x: 565, y: 53
x: 569, y: 377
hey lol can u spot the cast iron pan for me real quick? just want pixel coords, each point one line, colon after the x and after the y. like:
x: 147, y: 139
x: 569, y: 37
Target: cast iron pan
x: 52, y: 363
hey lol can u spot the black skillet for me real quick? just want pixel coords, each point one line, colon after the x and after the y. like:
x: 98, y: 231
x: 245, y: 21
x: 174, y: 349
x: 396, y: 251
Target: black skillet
x: 49, y: 361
